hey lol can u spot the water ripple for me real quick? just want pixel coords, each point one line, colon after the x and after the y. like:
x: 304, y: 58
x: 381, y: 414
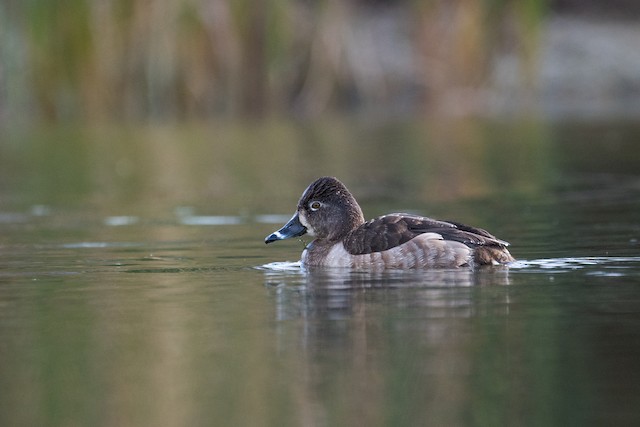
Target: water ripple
x: 282, y: 266
x: 576, y: 263
x: 614, y: 266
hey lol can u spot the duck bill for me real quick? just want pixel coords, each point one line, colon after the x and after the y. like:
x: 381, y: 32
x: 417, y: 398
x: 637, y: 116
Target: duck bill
x: 293, y: 228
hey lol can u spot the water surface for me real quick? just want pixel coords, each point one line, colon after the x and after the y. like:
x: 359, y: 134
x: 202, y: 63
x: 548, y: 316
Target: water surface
x: 135, y: 287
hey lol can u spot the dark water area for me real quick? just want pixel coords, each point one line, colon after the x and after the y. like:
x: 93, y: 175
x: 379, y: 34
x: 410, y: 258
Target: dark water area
x: 135, y: 287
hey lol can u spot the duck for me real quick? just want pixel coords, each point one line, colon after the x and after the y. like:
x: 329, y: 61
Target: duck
x: 328, y: 212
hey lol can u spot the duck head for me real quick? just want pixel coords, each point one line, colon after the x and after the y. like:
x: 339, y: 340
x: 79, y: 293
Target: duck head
x: 326, y: 210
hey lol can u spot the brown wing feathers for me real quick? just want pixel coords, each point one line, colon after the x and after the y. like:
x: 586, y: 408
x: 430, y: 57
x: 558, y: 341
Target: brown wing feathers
x: 393, y: 230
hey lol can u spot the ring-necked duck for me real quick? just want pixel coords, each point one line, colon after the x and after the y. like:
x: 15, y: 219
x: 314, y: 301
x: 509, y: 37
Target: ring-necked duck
x: 328, y: 212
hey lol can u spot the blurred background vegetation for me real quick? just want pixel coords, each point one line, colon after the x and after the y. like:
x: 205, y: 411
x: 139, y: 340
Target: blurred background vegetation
x: 132, y: 60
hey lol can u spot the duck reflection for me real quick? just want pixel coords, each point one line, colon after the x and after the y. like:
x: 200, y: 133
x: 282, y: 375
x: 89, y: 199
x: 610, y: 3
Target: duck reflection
x: 335, y: 293
x: 371, y: 338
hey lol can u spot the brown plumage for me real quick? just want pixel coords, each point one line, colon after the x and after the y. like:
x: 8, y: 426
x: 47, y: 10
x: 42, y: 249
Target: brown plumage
x: 329, y: 212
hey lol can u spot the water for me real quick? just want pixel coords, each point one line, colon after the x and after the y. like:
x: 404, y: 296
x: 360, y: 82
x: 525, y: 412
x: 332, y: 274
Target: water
x: 135, y: 287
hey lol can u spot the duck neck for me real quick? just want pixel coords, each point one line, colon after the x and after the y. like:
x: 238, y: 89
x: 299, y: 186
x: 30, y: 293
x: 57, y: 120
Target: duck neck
x: 353, y: 220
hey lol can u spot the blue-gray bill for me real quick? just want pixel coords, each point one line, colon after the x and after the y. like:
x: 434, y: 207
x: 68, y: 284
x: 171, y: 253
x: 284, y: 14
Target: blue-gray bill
x: 293, y: 228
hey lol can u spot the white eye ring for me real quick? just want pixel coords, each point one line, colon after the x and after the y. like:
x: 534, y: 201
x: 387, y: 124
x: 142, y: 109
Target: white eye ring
x: 315, y: 205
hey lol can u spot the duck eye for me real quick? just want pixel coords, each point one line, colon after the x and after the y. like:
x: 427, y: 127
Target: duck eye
x: 315, y: 205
